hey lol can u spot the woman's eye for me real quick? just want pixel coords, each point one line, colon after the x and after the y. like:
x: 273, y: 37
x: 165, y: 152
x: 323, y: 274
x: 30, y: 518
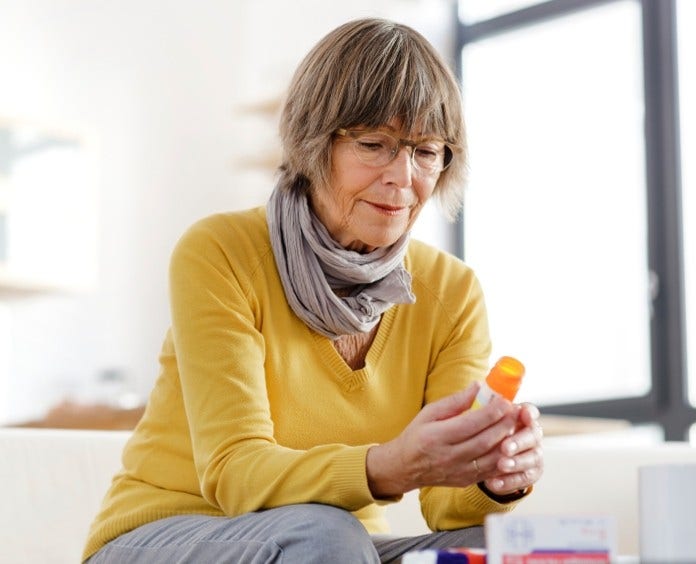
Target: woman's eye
x: 370, y: 145
x: 427, y: 153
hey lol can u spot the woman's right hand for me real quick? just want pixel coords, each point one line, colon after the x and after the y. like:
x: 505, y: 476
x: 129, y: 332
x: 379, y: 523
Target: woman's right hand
x: 444, y: 445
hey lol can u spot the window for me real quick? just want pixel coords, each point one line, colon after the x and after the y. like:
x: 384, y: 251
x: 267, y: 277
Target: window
x: 572, y: 211
x: 471, y: 11
x: 686, y: 12
x: 555, y: 210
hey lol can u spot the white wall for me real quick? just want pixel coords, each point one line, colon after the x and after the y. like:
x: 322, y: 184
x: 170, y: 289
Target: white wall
x: 158, y: 84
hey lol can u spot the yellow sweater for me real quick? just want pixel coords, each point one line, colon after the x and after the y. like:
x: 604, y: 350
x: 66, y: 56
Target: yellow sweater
x: 253, y: 410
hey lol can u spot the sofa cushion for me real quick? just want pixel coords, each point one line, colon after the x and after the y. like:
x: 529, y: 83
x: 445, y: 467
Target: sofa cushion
x: 51, y: 485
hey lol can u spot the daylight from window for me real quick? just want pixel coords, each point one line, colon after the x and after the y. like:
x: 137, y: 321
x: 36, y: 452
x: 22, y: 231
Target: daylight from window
x: 471, y: 11
x: 555, y: 218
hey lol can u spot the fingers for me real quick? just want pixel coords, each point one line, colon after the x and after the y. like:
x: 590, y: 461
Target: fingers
x: 455, y: 423
x: 480, y: 451
x: 522, y: 460
x: 442, y: 442
x: 451, y: 405
x: 522, y: 472
x: 449, y: 444
x: 527, y: 436
x: 529, y: 414
x: 480, y: 430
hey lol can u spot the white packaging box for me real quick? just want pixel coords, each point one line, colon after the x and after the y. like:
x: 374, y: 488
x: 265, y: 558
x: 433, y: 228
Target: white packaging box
x: 550, y: 539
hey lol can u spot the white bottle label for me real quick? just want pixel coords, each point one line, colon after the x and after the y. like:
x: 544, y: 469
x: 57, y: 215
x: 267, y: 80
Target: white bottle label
x: 485, y: 394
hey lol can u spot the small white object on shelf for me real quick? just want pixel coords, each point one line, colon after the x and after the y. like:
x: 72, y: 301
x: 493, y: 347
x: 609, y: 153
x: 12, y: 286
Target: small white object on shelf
x: 13, y: 286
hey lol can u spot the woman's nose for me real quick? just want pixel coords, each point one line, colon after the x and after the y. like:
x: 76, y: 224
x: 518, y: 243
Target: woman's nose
x: 400, y: 169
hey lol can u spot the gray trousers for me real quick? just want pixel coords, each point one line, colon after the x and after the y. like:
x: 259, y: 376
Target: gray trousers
x: 306, y: 534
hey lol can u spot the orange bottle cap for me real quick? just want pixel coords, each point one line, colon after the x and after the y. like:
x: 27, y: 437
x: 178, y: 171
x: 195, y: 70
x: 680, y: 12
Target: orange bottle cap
x: 506, y: 376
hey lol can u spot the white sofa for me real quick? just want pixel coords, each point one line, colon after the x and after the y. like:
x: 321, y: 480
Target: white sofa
x: 52, y: 481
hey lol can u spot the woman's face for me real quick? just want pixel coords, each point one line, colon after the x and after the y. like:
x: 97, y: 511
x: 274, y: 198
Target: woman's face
x: 366, y: 207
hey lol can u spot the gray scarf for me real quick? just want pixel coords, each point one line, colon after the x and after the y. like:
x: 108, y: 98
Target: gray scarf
x: 312, y: 265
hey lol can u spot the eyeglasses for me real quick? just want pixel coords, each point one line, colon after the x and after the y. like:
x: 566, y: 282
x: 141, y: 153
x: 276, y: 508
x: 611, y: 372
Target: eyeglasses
x: 377, y: 148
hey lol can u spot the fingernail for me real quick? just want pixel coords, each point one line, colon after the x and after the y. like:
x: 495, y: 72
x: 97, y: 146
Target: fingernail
x: 508, y: 464
x: 511, y: 448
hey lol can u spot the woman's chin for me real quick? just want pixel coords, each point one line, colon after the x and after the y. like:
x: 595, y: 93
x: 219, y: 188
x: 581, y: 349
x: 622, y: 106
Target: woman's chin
x: 370, y: 243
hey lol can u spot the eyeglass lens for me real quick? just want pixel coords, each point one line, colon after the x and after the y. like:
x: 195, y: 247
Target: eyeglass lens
x: 379, y: 149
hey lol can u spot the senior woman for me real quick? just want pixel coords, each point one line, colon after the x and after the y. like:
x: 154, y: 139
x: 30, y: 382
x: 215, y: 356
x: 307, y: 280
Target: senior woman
x: 320, y: 364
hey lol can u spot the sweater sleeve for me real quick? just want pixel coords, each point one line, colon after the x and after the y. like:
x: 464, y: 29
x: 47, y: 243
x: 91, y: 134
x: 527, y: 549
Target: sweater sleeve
x: 462, y: 359
x: 220, y: 349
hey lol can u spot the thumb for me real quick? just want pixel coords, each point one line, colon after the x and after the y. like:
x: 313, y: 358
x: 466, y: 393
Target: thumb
x: 451, y: 405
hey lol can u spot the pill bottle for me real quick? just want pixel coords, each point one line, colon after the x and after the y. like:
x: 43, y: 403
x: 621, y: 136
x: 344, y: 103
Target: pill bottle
x: 504, y: 379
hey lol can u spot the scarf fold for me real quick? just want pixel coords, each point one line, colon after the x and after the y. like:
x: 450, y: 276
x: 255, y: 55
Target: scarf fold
x: 312, y: 265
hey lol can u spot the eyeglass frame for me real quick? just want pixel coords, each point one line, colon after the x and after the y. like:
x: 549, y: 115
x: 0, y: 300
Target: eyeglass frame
x: 353, y: 134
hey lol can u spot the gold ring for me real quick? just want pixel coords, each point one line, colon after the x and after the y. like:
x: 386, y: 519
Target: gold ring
x: 476, y: 466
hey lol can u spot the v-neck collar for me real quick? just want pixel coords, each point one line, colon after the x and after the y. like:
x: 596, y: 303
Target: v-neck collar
x: 354, y: 379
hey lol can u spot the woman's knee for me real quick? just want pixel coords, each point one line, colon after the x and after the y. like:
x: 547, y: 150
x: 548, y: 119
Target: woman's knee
x: 323, y: 533
x: 306, y: 533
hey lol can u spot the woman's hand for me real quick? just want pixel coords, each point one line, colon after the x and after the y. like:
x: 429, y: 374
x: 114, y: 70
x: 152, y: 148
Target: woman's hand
x: 520, y: 461
x: 447, y: 445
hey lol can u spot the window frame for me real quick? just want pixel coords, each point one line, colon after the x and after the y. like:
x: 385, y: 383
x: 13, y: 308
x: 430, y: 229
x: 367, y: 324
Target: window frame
x: 667, y: 403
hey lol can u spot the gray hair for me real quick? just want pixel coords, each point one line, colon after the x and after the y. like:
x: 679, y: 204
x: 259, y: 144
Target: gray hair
x: 366, y: 73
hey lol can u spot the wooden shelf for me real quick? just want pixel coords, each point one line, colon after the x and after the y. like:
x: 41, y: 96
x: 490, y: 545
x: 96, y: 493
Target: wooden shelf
x: 562, y: 425
x: 71, y: 415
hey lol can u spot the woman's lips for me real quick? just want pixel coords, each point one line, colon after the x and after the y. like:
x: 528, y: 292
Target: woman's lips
x: 388, y: 209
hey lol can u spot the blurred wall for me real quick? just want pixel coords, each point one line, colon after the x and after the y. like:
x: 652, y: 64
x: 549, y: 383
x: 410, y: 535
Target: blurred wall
x: 162, y: 89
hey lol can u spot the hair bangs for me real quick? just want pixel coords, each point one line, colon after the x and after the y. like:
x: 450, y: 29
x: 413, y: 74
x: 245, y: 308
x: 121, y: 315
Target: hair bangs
x: 401, y: 84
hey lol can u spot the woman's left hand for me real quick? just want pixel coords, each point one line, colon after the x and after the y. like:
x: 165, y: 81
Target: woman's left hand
x: 521, y: 461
